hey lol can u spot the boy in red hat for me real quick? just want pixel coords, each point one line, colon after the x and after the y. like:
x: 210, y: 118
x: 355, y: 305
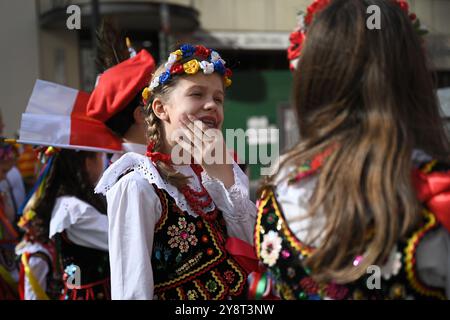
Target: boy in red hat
x: 116, y: 99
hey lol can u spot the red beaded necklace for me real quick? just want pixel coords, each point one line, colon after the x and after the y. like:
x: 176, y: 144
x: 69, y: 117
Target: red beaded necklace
x: 193, y: 197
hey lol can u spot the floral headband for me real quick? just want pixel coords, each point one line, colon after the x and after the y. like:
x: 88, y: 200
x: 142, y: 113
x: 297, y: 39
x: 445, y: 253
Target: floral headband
x: 297, y: 37
x: 211, y: 62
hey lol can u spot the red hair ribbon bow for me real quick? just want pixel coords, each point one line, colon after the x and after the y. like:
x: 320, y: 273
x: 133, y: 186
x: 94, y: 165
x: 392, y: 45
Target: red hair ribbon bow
x: 157, y: 156
x: 433, y: 190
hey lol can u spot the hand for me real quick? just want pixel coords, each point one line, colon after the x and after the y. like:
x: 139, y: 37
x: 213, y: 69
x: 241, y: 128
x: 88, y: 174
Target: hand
x: 207, y: 148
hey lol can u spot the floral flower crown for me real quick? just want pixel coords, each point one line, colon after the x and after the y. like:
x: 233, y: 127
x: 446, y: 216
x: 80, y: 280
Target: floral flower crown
x: 298, y: 36
x: 211, y: 62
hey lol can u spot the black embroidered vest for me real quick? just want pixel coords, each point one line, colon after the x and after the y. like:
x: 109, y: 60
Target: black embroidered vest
x: 282, y: 253
x: 189, y: 259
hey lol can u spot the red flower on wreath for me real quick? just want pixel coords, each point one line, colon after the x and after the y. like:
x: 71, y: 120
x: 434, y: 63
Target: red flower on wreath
x: 202, y: 52
x: 403, y: 5
x: 315, y: 7
x: 298, y: 36
x: 177, y: 68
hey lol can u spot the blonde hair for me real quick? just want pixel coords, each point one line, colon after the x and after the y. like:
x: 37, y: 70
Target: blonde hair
x: 155, y: 132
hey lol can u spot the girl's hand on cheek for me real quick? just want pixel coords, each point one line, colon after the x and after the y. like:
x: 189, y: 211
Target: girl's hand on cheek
x: 197, y: 139
x: 208, y: 148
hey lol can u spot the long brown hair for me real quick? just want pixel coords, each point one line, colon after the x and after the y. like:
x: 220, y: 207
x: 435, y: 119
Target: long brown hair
x: 369, y: 93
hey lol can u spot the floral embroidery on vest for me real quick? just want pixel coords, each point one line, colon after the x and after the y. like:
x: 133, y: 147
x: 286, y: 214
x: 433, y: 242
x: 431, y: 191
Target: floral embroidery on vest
x: 182, y: 235
x: 189, y: 258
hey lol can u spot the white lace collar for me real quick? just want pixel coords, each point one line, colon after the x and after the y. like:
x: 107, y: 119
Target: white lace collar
x: 142, y: 165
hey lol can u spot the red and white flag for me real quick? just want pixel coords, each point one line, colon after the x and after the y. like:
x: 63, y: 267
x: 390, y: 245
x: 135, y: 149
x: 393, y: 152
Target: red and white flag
x: 56, y: 116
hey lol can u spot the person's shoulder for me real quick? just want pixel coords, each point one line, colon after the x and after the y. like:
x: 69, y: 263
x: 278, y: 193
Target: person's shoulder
x: 132, y: 180
x: 69, y: 203
x: 130, y: 167
x: 67, y: 211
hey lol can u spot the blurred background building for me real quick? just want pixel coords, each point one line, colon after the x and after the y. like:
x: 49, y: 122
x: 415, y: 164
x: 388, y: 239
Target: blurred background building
x: 252, y: 35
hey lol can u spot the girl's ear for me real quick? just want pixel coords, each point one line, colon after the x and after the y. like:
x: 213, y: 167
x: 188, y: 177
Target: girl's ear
x: 160, y: 109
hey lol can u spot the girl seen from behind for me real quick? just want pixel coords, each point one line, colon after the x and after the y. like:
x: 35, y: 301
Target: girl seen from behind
x: 369, y: 183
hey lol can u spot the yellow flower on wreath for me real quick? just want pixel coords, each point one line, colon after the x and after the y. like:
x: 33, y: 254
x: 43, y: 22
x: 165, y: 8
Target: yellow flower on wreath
x: 227, y: 82
x: 178, y: 53
x: 191, y: 67
x: 146, y: 93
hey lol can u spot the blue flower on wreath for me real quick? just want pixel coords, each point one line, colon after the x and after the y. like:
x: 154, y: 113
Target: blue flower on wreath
x: 188, y: 50
x: 219, y: 67
x: 164, y: 77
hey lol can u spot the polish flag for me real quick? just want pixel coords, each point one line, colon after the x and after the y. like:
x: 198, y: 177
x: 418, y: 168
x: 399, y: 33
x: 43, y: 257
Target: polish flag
x: 56, y: 116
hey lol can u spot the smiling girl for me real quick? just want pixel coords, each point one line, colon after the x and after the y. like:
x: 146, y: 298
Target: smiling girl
x: 180, y: 231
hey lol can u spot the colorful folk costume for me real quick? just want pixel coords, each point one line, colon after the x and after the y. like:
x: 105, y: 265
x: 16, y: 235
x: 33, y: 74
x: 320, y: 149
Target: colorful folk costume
x: 8, y: 233
x: 418, y: 267
x: 187, y: 235
x: 169, y: 243
x: 118, y: 90
x: 72, y: 261
x: 417, y: 264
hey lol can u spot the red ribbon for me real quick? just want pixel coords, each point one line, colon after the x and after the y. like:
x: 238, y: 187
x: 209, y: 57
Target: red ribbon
x: 21, y: 287
x: 243, y: 253
x: 433, y: 190
x: 157, y: 156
